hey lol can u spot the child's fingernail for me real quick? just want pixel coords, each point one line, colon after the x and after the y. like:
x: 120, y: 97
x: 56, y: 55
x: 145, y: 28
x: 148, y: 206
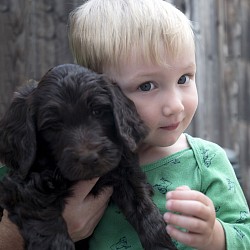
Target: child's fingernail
x: 169, y: 195
x: 183, y: 188
x: 166, y: 217
x: 168, y: 205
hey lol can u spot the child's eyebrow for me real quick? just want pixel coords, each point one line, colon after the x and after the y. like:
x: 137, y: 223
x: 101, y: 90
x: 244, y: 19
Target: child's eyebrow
x: 191, y: 66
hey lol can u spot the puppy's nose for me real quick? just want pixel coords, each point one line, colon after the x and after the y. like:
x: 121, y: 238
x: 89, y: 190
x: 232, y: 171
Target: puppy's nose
x: 89, y: 159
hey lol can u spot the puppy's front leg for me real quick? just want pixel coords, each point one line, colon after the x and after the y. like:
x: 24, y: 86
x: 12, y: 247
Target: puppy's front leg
x: 36, y: 213
x: 46, y: 235
x: 133, y: 196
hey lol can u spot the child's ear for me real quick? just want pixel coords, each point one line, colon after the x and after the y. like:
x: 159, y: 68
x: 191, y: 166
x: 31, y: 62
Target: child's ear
x: 129, y: 125
x: 17, y: 132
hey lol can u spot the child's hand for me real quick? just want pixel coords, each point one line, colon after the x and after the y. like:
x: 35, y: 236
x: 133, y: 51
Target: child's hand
x: 196, y: 215
x: 83, y: 211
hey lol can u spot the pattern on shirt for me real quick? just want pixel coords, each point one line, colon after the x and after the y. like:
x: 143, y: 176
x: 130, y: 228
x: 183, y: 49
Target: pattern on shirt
x: 163, y: 185
x: 243, y: 216
x: 176, y: 243
x: 231, y: 185
x: 217, y: 209
x: 121, y: 244
x: 207, y: 158
x: 175, y: 161
x: 117, y: 211
x: 239, y: 233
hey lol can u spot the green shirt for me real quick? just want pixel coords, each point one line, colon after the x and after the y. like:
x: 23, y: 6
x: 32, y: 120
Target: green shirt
x: 3, y: 171
x: 203, y: 167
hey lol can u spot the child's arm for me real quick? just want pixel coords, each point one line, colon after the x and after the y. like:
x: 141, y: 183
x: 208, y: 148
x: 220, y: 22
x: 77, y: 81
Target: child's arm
x: 220, y: 191
x: 9, y: 236
x: 202, y: 230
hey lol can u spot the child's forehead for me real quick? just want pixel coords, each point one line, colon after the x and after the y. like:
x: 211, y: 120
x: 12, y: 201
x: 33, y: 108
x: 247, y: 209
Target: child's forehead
x: 136, y: 65
x: 161, y: 55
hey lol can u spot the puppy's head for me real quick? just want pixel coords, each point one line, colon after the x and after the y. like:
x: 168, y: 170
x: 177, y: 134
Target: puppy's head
x: 76, y: 118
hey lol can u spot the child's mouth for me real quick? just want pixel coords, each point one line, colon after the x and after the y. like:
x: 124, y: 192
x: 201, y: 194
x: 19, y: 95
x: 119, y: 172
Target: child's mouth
x: 171, y: 127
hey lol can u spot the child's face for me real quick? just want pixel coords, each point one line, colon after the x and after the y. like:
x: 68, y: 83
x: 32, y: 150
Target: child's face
x: 165, y: 96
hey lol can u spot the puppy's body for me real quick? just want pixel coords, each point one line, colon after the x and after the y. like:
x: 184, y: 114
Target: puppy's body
x: 74, y: 125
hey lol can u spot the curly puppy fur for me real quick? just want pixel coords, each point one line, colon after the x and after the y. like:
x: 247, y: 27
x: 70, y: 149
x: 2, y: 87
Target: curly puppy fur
x: 73, y: 125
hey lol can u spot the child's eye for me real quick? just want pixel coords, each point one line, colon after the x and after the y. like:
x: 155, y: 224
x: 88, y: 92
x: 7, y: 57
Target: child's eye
x: 184, y: 79
x: 147, y: 86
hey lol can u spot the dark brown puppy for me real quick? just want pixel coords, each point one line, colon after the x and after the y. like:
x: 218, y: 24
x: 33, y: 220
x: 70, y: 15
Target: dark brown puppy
x: 74, y: 125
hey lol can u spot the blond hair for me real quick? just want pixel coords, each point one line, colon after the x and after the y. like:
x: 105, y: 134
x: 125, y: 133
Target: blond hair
x: 104, y: 32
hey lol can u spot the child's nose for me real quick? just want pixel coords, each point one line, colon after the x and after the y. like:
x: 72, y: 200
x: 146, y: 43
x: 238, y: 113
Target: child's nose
x: 172, y: 104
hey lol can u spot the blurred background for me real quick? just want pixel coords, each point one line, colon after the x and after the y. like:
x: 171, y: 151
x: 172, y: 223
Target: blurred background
x: 33, y: 38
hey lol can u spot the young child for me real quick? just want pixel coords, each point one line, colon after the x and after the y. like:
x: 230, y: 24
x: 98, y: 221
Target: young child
x: 147, y: 47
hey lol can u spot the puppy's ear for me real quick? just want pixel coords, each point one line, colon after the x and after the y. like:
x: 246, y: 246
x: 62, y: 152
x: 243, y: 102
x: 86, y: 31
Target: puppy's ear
x: 129, y: 125
x: 17, y: 132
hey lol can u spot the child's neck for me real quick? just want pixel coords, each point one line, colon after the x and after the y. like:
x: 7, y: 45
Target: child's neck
x: 153, y: 153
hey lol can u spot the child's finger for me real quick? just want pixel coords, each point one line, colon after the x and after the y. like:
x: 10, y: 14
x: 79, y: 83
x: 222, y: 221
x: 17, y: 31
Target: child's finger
x: 189, y: 195
x: 183, y: 188
x: 190, y: 208
x: 191, y: 224
x: 184, y: 237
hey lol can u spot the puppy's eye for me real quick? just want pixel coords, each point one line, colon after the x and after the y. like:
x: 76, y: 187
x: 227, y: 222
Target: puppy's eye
x: 97, y: 112
x: 101, y: 111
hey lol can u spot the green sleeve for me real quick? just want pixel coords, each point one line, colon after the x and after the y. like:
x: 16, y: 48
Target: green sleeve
x: 3, y: 171
x: 219, y: 182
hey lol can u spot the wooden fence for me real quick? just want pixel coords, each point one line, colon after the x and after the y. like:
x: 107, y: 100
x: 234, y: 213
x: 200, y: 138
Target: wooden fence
x: 34, y: 38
